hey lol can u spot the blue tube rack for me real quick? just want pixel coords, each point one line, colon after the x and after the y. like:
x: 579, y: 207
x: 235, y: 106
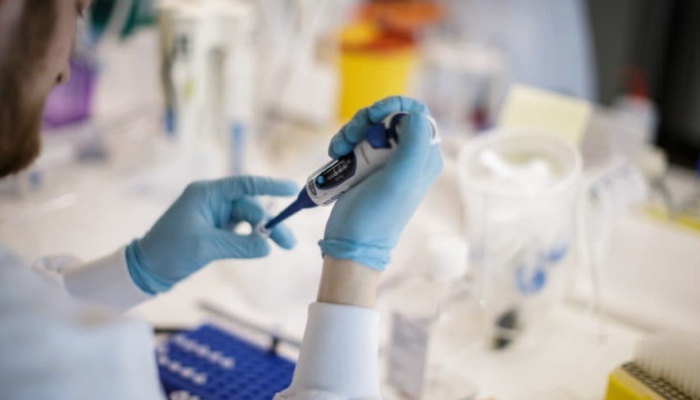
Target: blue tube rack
x: 211, y: 364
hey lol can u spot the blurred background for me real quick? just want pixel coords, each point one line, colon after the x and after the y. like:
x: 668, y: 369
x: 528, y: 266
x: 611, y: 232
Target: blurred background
x: 460, y: 57
x: 164, y: 92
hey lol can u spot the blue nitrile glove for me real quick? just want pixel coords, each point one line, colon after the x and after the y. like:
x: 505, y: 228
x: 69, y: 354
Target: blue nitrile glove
x: 366, y: 222
x: 198, y: 229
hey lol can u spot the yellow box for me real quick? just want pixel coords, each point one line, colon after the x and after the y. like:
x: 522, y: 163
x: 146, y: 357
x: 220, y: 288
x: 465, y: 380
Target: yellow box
x: 529, y: 107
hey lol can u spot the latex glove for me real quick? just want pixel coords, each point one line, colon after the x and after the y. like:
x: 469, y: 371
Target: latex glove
x: 366, y: 222
x: 198, y: 229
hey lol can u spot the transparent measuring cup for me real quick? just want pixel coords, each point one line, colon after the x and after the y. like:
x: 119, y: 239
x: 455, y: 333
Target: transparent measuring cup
x: 520, y: 195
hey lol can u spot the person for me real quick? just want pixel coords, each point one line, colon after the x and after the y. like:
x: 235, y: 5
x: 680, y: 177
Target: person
x: 75, y: 346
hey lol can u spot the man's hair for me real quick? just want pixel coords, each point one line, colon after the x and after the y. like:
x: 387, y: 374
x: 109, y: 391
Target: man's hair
x: 20, y: 110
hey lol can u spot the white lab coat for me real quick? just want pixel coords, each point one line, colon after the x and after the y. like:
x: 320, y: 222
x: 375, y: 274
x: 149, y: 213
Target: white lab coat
x: 54, y: 347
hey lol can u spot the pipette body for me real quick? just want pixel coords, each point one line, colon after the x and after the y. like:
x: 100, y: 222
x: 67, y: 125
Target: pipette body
x: 329, y: 182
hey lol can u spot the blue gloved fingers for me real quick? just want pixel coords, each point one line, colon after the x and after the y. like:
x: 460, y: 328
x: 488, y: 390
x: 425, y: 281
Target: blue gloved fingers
x: 350, y: 134
x: 414, y: 150
x: 194, y: 231
x: 237, y: 187
x: 379, y: 110
x: 339, y: 147
x: 249, y: 210
x: 283, y: 236
x: 366, y: 223
x: 232, y: 245
x: 435, y: 162
x: 354, y: 131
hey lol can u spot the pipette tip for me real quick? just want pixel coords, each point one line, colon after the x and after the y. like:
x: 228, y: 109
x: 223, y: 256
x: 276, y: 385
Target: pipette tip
x: 261, y: 230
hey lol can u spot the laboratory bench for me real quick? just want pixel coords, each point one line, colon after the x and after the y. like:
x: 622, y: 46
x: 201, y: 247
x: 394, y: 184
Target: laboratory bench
x: 101, y: 208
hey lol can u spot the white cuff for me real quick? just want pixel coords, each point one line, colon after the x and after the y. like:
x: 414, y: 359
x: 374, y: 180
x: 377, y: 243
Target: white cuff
x: 105, y: 281
x: 338, y: 354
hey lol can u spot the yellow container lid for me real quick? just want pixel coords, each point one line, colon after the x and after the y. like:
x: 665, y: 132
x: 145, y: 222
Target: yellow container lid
x: 367, y: 37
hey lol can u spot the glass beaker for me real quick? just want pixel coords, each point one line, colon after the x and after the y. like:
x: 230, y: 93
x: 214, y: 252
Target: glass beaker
x: 520, y: 191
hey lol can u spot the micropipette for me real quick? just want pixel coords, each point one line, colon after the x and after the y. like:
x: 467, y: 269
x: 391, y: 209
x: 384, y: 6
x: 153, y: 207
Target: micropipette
x: 329, y: 182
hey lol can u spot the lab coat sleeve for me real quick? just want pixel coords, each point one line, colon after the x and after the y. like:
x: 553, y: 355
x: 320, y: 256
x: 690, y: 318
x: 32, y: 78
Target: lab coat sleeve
x: 338, y: 358
x: 104, y: 281
x: 53, y: 347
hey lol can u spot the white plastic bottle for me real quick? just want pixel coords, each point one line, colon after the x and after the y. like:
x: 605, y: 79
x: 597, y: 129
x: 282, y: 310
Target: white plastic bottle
x: 425, y: 335
x: 639, y: 114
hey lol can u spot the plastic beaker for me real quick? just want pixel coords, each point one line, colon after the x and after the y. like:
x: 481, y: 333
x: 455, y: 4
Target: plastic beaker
x: 520, y: 193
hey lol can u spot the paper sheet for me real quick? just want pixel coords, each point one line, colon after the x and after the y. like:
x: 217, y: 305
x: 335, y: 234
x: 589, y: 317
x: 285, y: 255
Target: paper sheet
x: 528, y: 107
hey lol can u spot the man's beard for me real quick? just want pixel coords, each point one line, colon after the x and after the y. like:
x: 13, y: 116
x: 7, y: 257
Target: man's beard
x: 20, y: 129
x: 20, y: 114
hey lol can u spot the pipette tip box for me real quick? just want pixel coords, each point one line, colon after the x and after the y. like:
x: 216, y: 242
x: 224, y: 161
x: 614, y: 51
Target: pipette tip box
x: 210, y: 363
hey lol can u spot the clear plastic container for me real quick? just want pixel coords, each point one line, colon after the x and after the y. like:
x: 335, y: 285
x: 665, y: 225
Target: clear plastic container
x: 429, y: 327
x: 520, y: 193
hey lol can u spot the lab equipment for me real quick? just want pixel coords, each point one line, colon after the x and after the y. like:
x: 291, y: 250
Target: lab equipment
x: 326, y: 185
x: 638, y: 108
x: 372, y: 65
x: 463, y: 84
x: 520, y: 191
x: 214, y: 364
x: 378, y: 54
x: 611, y: 192
x: 297, y: 82
x: 194, y: 231
x: 688, y: 214
x: 208, y: 68
x: 665, y: 366
x: 428, y: 329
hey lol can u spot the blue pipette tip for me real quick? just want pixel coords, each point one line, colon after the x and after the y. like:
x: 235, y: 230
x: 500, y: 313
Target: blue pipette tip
x: 302, y: 201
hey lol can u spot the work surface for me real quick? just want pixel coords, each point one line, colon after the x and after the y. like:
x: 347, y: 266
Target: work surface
x: 92, y: 216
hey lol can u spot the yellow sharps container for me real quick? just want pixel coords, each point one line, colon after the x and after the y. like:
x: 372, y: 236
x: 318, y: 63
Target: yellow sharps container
x: 372, y: 66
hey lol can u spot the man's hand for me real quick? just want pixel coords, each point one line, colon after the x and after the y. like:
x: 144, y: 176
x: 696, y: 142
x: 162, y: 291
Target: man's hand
x: 198, y: 229
x: 366, y: 222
